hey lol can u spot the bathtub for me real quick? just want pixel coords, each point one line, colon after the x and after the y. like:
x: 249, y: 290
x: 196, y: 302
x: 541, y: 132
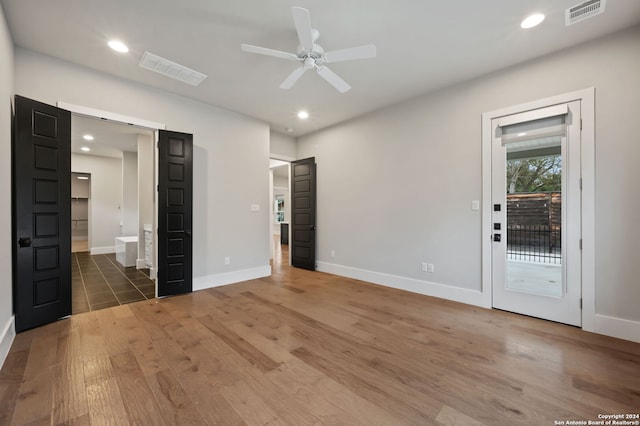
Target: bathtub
x: 127, y: 250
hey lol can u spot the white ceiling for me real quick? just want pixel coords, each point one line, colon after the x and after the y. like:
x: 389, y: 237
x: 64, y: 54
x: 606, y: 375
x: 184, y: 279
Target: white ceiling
x: 423, y: 45
x: 110, y: 138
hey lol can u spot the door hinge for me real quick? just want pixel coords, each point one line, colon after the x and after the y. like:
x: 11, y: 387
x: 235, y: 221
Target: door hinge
x: 157, y: 188
x: 581, y: 124
x: 581, y: 303
x: 580, y: 184
x: 580, y: 244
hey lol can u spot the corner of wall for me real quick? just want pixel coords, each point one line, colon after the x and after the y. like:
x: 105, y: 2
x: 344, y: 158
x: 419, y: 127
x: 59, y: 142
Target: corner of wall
x: 7, y: 90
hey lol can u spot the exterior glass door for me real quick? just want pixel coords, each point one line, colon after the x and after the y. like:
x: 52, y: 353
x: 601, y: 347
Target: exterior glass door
x: 536, y: 213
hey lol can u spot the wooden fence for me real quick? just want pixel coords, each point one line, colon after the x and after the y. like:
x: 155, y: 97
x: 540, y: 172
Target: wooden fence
x: 540, y: 209
x: 534, y: 225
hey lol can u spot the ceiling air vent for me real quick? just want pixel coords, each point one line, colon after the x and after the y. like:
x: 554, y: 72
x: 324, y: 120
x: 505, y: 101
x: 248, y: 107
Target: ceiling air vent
x: 155, y: 63
x: 583, y: 11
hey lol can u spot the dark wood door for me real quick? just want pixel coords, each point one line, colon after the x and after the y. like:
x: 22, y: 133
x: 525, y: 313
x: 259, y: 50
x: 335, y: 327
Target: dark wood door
x: 175, y: 195
x: 303, y: 214
x: 41, y: 213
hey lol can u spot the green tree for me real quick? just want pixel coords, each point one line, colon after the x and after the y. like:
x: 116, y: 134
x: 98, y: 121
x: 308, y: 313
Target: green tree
x: 539, y: 174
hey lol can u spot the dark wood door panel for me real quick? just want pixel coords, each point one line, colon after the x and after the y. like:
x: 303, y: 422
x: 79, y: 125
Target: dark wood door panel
x: 41, y: 213
x: 303, y: 217
x: 175, y: 199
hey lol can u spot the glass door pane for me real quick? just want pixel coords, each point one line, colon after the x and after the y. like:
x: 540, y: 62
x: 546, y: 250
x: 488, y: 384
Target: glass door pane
x: 534, y: 181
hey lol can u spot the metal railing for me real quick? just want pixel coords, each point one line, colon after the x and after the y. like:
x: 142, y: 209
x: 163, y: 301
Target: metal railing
x: 534, y: 243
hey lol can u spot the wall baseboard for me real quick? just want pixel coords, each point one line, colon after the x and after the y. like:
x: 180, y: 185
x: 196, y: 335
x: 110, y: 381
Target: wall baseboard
x: 141, y: 264
x: 103, y: 250
x: 617, y: 327
x: 6, y: 339
x: 210, y: 281
x: 457, y: 294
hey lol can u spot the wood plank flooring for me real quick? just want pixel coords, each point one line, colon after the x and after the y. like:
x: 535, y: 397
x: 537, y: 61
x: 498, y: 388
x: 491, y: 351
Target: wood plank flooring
x: 308, y: 348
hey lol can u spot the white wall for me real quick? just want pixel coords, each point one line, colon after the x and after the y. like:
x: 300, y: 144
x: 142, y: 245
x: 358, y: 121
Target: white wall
x: 129, y: 194
x: 280, y: 181
x: 7, y: 331
x: 231, y: 160
x: 395, y: 186
x: 282, y: 146
x: 105, y: 204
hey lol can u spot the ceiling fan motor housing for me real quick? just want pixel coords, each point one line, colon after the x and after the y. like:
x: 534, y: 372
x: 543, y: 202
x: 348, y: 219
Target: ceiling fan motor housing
x: 317, y: 54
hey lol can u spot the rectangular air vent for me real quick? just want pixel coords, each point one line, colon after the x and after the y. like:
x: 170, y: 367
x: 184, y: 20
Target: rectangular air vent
x: 583, y: 11
x: 155, y: 63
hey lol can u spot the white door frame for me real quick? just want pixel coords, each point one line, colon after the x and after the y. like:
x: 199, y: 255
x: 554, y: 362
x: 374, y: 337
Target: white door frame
x: 587, y: 98
x: 132, y: 121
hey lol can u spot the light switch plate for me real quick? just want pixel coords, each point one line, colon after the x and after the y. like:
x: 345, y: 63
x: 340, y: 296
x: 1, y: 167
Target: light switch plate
x: 255, y: 207
x: 475, y: 205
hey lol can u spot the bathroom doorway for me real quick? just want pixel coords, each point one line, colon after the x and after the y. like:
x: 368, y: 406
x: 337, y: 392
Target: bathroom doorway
x: 112, y: 211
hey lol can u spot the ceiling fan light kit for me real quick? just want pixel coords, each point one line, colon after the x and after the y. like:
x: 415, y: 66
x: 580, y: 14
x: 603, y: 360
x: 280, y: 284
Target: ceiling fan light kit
x: 311, y: 55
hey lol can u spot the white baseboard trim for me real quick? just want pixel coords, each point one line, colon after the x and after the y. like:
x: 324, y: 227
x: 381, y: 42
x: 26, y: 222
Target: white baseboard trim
x: 210, y: 281
x: 141, y: 264
x: 6, y: 339
x: 103, y: 250
x: 457, y: 294
x: 617, y: 327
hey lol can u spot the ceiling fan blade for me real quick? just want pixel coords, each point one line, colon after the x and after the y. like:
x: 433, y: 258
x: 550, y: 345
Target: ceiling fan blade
x: 302, y: 20
x: 293, y: 77
x: 350, y: 54
x: 333, y: 79
x: 268, y: 52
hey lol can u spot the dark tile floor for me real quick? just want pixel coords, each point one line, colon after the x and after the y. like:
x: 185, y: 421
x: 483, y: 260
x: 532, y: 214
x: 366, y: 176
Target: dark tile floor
x: 99, y: 281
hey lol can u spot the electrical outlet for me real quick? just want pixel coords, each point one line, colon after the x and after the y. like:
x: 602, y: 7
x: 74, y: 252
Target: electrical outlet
x: 430, y: 267
x: 227, y: 261
x: 424, y: 267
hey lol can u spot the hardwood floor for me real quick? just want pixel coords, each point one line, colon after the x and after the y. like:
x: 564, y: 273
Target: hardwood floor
x: 308, y: 348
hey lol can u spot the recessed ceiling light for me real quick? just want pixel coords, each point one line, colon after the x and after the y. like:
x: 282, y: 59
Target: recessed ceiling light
x: 83, y: 177
x: 118, y: 46
x: 532, y: 20
x: 303, y: 115
x: 85, y: 149
x: 88, y: 137
x: 522, y: 134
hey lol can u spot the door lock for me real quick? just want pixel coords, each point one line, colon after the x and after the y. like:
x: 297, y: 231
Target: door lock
x: 24, y: 242
x: 497, y: 237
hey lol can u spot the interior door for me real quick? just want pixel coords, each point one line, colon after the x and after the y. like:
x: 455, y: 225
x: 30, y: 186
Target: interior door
x: 303, y: 214
x: 41, y: 213
x: 175, y: 197
x: 536, y: 213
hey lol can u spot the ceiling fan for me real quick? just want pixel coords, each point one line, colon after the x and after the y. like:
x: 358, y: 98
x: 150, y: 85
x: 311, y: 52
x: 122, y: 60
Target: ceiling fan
x: 312, y: 56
